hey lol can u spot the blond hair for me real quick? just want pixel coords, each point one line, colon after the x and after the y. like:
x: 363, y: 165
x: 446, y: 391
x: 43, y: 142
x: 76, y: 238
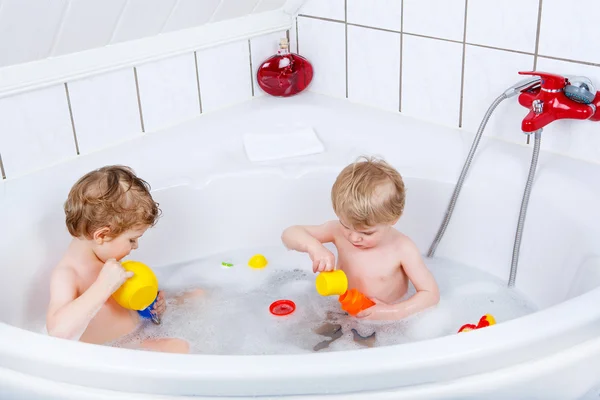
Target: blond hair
x: 113, y: 197
x: 368, y: 193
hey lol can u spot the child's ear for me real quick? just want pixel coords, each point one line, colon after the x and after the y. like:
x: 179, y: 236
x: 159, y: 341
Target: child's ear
x: 101, y: 235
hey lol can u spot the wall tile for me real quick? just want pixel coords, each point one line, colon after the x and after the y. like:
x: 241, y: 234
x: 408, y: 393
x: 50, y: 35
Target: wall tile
x: 35, y: 130
x: 224, y: 73
x: 323, y: 44
x: 26, y: 35
x: 190, y: 13
x: 264, y: 47
x: 374, y: 67
x: 168, y: 91
x: 508, y: 24
x: 580, y: 139
x: 488, y: 73
x: 386, y: 14
x: 438, y: 18
x: 87, y: 24
x: 333, y: 9
x: 142, y: 18
x: 105, y: 110
x: 428, y: 91
x: 570, y: 30
x: 233, y: 9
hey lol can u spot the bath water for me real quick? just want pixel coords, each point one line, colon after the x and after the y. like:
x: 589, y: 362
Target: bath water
x: 232, y: 315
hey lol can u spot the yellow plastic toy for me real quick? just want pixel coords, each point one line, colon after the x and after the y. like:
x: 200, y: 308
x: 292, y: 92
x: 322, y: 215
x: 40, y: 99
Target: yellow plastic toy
x: 336, y: 283
x: 258, y: 261
x: 139, y: 291
x: 332, y: 283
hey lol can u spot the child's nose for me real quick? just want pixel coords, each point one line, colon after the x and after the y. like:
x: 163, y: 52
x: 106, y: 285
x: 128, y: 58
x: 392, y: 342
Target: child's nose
x: 355, y: 237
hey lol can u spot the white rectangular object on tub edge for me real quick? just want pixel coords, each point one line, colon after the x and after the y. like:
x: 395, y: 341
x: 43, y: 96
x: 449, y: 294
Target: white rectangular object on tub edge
x: 265, y: 147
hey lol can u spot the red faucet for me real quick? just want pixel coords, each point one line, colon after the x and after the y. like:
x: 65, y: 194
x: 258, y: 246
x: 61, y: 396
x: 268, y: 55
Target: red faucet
x: 548, y: 102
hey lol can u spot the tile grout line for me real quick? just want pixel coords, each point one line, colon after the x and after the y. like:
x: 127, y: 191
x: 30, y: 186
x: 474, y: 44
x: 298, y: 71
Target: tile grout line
x: 139, y: 100
x: 401, y: 53
x: 297, y: 38
x: 198, y: 81
x: 322, y: 18
x: 537, y: 46
x: 462, y: 72
x: 373, y: 28
x: 2, y: 168
x: 485, y: 46
x: 346, y: 43
x: 537, y: 35
x: 72, y: 119
x: 251, y: 73
x: 569, y: 60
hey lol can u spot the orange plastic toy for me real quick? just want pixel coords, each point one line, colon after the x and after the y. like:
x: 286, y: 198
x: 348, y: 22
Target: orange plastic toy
x: 336, y: 283
x: 486, y: 320
x: 353, y: 302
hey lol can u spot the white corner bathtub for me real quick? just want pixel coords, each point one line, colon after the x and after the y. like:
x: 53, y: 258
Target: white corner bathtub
x: 207, y: 189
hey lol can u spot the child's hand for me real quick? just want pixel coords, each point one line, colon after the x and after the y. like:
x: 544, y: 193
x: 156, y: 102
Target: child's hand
x: 112, y: 276
x: 380, y: 311
x: 323, y: 259
x: 160, y: 306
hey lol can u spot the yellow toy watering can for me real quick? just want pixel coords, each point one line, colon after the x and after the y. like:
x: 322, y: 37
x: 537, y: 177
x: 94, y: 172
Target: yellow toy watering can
x: 140, y: 291
x: 336, y: 283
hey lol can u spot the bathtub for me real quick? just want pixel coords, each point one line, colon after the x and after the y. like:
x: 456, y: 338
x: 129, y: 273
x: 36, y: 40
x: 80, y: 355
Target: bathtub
x: 208, y: 189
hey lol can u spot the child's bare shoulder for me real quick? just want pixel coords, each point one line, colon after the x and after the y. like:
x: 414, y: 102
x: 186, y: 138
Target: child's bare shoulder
x: 404, y: 243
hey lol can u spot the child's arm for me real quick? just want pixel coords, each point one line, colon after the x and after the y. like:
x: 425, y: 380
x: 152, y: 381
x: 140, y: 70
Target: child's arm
x: 417, y: 272
x: 68, y: 315
x: 309, y: 239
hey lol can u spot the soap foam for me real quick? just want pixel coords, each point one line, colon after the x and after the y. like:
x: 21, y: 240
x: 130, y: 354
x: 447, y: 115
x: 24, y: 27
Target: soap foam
x: 232, y: 316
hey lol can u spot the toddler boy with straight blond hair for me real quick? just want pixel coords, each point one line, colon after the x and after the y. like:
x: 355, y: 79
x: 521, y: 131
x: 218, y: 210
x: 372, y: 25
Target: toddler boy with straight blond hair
x: 368, y: 197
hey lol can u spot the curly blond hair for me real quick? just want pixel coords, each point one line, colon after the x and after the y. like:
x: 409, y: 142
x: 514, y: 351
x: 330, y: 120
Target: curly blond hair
x: 368, y: 192
x: 111, y: 196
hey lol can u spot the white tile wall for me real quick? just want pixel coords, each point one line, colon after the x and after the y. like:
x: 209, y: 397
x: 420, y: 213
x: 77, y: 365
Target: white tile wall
x: 333, y: 9
x: 31, y: 33
x: 142, y: 18
x: 189, y: 13
x: 385, y: 14
x: 35, y: 130
x: 87, y: 24
x: 439, y: 18
x: 488, y: 73
x: 234, y: 9
x: 508, y: 24
x: 570, y: 30
x: 225, y: 76
x: 580, y: 139
x: 323, y: 44
x: 264, y: 47
x: 168, y: 91
x: 431, y: 71
x: 105, y: 110
x: 373, y: 74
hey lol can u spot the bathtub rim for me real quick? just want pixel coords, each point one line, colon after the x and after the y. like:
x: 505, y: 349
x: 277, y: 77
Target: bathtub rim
x: 522, y: 339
